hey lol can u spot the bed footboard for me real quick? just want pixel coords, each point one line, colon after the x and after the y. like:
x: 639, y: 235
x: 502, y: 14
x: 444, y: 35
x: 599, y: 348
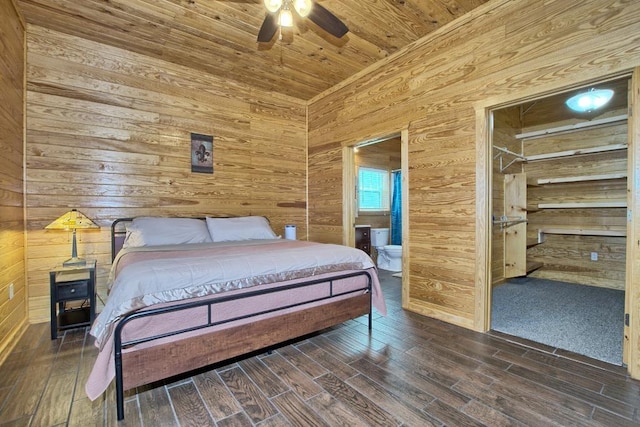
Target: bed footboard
x: 186, y: 353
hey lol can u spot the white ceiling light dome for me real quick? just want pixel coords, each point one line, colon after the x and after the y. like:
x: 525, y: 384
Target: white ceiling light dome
x: 585, y: 102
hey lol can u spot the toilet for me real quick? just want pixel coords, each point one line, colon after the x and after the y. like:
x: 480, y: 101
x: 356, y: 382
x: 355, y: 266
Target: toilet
x: 389, y: 256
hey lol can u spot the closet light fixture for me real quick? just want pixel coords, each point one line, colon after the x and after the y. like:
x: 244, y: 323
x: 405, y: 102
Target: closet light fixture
x: 585, y: 102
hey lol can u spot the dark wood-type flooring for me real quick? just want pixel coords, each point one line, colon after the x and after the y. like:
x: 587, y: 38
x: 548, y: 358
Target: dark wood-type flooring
x: 411, y: 371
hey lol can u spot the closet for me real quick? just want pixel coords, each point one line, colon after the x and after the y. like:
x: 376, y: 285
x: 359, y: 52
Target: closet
x: 560, y: 191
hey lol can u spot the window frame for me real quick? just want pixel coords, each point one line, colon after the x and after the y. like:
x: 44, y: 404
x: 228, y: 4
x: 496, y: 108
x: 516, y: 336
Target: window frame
x: 385, y: 209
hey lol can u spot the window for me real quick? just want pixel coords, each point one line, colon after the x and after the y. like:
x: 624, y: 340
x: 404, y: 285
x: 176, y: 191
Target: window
x: 373, y: 189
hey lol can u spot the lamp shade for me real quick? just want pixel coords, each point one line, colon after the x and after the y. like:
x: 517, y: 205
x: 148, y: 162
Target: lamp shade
x: 303, y: 7
x: 286, y: 18
x: 72, y: 220
x: 273, y: 5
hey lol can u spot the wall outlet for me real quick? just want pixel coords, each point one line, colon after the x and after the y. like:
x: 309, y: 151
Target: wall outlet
x: 10, y: 290
x: 594, y: 256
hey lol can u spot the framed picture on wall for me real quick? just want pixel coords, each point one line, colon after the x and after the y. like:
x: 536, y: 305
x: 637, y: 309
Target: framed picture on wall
x: 201, y: 153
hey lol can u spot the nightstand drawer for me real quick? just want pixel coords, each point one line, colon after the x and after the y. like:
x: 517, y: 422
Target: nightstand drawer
x: 66, y: 285
x: 365, y: 247
x: 73, y: 290
x: 363, y: 238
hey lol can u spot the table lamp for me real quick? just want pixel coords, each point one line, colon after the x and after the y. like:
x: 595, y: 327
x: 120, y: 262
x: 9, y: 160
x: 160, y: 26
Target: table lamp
x: 72, y: 220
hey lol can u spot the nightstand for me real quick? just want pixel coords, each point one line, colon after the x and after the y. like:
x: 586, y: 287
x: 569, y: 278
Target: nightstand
x: 363, y: 238
x: 72, y: 284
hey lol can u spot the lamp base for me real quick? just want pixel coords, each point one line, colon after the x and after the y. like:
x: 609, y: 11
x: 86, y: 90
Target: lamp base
x: 75, y: 262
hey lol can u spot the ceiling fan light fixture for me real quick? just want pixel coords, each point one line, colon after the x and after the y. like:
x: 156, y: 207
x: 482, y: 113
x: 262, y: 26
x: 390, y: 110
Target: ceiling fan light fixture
x: 303, y: 7
x: 273, y: 5
x: 280, y: 17
x: 286, y: 18
x: 585, y: 102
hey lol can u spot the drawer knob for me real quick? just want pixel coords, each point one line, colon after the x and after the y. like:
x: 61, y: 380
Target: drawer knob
x: 73, y: 291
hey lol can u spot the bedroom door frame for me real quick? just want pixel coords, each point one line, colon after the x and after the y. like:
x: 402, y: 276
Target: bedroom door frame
x: 484, y: 152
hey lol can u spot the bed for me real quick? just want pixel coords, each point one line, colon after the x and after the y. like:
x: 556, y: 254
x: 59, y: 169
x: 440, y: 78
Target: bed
x: 185, y: 293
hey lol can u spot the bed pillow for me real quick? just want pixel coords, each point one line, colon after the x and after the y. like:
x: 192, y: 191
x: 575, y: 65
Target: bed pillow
x: 240, y: 228
x: 155, y: 231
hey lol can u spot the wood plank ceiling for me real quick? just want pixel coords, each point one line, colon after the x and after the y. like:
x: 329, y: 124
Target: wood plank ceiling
x: 219, y: 36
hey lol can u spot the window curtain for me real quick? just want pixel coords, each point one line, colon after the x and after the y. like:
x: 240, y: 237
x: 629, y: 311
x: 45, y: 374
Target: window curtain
x: 396, y: 209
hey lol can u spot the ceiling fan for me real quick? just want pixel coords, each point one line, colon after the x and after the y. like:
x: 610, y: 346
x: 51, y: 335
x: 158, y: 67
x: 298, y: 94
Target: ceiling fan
x: 281, y: 15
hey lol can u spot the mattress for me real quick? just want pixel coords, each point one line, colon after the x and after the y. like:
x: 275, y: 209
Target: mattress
x: 151, y: 277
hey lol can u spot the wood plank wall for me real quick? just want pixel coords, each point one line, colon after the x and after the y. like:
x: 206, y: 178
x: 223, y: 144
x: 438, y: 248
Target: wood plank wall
x: 500, y: 52
x: 109, y: 134
x: 13, y: 312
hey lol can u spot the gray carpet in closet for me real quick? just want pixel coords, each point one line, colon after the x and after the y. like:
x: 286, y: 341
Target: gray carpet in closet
x: 583, y: 319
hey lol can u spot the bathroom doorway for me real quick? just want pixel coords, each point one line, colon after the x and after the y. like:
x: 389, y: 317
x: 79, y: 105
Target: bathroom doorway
x: 374, y: 194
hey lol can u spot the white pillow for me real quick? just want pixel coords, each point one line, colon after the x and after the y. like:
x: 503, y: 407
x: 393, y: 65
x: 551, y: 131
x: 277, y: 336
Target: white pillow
x: 240, y: 228
x: 153, y: 231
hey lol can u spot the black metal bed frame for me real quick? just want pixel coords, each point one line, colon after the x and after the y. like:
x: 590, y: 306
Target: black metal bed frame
x: 119, y: 344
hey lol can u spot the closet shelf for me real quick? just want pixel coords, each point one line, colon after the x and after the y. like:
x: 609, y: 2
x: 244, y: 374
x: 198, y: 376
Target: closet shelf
x: 607, y: 121
x: 581, y: 178
x: 610, y: 231
x: 581, y: 205
x: 569, y: 153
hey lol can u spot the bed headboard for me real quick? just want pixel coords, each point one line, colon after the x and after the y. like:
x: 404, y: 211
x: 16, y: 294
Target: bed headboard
x: 118, y: 233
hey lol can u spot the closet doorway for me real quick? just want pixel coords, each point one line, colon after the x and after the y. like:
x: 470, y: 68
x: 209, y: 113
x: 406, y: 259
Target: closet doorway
x: 559, y: 221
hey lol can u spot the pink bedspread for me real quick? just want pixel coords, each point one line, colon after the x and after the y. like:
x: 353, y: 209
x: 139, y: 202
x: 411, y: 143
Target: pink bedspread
x: 145, y: 278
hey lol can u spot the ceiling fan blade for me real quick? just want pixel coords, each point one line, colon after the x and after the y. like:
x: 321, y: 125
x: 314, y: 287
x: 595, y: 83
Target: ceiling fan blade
x: 327, y: 21
x: 268, y: 28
